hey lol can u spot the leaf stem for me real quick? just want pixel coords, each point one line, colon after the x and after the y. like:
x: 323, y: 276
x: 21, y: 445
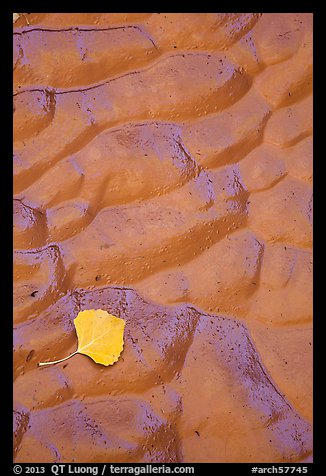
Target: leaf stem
x: 57, y: 361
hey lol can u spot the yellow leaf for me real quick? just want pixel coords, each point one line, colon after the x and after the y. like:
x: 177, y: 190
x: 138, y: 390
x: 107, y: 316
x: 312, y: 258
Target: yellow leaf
x: 100, y: 336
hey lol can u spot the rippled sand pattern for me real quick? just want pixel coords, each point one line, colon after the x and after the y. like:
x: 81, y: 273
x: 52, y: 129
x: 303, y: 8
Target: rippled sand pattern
x: 163, y: 172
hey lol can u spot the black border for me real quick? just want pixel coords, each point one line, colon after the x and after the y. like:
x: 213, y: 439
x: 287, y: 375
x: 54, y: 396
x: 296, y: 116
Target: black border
x: 6, y: 241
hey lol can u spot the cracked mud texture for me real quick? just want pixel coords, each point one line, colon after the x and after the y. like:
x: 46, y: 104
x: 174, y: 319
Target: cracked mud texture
x: 163, y: 172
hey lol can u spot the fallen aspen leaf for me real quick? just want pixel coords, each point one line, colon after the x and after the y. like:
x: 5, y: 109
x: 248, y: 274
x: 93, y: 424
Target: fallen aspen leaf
x: 100, y: 336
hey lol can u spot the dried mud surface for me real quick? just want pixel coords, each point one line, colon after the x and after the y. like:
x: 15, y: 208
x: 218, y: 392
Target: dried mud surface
x: 163, y: 172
